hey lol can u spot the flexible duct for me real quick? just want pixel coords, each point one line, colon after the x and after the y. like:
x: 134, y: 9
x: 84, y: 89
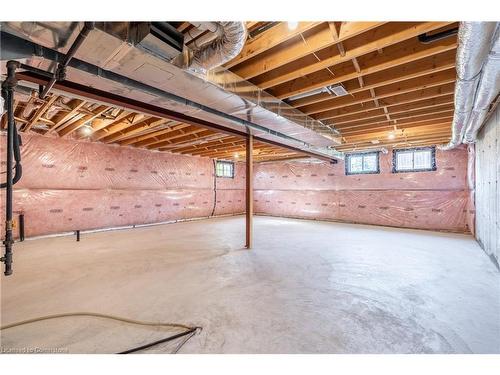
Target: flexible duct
x: 228, y: 44
x: 488, y: 89
x: 474, y: 42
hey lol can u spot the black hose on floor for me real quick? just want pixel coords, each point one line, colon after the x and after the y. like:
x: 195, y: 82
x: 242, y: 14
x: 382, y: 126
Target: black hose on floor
x: 188, y: 329
x: 170, y: 338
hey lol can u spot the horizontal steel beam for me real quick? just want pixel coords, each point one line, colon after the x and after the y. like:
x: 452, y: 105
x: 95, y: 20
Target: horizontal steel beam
x: 137, y: 106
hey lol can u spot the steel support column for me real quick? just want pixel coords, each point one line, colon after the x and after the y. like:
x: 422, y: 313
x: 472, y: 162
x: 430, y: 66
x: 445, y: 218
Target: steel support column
x: 249, y: 191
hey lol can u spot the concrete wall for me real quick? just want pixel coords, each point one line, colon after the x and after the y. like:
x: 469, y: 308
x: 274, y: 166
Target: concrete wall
x: 69, y: 185
x: 487, y: 194
x: 436, y: 200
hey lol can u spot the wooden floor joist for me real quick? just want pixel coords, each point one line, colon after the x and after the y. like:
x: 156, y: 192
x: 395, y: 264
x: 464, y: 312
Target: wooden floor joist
x: 396, y: 86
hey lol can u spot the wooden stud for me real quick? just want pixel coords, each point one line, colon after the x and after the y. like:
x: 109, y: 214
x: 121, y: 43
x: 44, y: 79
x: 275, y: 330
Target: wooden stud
x: 39, y: 113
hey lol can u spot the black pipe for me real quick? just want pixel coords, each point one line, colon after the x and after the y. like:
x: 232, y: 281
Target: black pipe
x: 8, y: 95
x: 60, y: 73
x: 21, y: 227
x: 426, y: 39
x: 78, y: 235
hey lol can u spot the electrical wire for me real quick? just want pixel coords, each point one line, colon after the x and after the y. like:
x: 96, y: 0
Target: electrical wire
x: 170, y: 338
x: 188, y: 329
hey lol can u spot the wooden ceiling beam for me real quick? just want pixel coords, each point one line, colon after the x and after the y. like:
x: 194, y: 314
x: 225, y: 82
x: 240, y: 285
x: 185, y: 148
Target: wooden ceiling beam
x: 435, y: 127
x: 183, y: 26
x: 85, y: 119
x: 237, y: 148
x: 402, y: 143
x: 194, y: 142
x: 314, y: 40
x: 223, y: 139
x: 383, y: 140
x: 322, y: 111
x: 216, y: 148
x: 395, y: 118
x: 376, y: 78
x: 152, y: 137
x: 269, y: 39
x: 40, y: 112
x: 380, y: 37
x: 132, y: 119
x: 148, y: 127
x: 401, y: 124
x: 99, y: 124
x: 408, y: 52
x: 395, y: 110
x: 183, y: 135
x: 136, y: 127
x: 431, y: 93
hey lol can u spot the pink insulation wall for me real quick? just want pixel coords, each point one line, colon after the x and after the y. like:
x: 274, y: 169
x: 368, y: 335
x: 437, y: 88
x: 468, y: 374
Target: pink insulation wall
x: 436, y: 200
x: 69, y: 185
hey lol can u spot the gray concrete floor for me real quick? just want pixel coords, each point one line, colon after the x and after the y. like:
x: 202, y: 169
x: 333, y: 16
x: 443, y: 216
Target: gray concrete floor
x: 306, y: 287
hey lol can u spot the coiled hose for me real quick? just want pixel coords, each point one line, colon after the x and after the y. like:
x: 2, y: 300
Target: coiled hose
x: 189, y: 331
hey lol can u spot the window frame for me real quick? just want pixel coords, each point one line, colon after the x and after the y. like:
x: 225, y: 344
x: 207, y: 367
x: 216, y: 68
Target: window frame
x: 395, y: 153
x: 348, y: 158
x: 224, y: 162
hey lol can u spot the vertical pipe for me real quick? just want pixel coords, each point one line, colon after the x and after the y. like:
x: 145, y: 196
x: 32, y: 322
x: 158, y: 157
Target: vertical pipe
x: 8, y: 94
x: 78, y: 235
x: 249, y: 191
x: 21, y: 227
x: 60, y: 73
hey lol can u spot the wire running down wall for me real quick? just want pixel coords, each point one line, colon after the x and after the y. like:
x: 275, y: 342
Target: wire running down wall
x: 436, y: 200
x: 69, y: 185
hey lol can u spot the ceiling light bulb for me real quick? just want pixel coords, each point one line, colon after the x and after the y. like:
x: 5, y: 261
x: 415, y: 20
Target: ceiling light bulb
x: 87, y: 130
x: 292, y: 25
x: 391, y: 136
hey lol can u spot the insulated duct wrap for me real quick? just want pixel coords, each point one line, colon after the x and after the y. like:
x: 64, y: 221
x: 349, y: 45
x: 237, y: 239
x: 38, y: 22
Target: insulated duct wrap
x: 229, y: 43
x: 487, y: 91
x: 474, y: 43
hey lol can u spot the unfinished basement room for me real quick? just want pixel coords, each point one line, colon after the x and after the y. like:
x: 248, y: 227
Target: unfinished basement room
x: 250, y: 187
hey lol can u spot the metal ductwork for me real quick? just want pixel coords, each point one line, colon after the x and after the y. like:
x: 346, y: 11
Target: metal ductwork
x: 209, y: 53
x: 474, y: 45
x: 142, y: 63
x: 488, y: 89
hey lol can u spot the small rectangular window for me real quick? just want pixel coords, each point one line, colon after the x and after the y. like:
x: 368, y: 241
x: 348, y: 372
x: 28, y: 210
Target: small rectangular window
x: 224, y: 169
x: 414, y: 160
x: 362, y: 163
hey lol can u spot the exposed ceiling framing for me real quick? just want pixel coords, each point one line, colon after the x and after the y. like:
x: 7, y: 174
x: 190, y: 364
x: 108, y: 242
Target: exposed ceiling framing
x: 63, y: 116
x: 400, y: 91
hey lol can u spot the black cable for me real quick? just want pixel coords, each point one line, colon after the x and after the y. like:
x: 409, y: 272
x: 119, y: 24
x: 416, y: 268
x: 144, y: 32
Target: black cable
x: 170, y: 338
x: 189, y: 329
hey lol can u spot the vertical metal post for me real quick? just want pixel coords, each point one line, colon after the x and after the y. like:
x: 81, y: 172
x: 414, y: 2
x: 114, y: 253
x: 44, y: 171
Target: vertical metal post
x: 8, y: 94
x: 21, y: 227
x: 249, y: 191
x: 78, y: 235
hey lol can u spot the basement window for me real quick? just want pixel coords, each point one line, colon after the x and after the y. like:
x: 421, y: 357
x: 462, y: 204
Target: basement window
x: 224, y: 169
x: 414, y: 160
x: 362, y: 163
